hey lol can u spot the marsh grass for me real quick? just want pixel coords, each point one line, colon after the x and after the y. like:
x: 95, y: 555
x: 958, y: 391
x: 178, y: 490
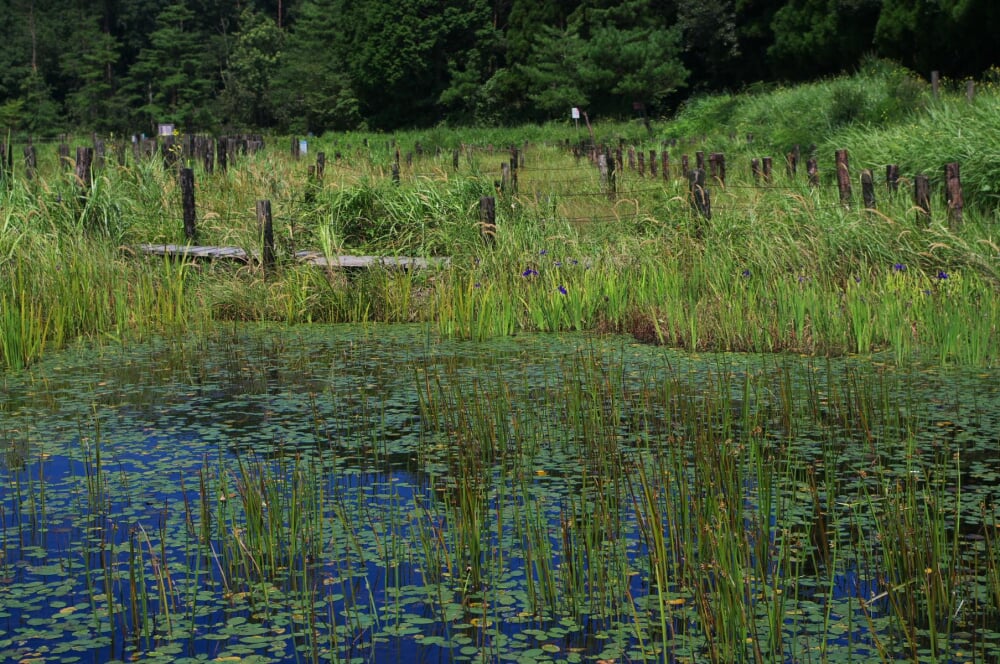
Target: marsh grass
x: 771, y: 271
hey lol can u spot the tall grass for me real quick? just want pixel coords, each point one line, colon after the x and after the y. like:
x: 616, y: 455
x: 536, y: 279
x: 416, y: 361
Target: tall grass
x: 779, y: 267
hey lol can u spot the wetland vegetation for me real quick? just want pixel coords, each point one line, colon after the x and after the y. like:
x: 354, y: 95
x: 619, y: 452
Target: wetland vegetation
x: 622, y: 431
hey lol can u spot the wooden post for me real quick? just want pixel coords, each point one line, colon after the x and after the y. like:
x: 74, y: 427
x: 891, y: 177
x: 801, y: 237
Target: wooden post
x: 221, y: 147
x: 641, y: 163
x: 755, y: 170
x: 843, y: 177
x: 320, y: 165
x: 892, y: 178
x: 64, y: 159
x: 922, y: 196
x: 792, y: 162
x: 868, y: 189
x: 700, y: 200
x: 970, y: 90
x: 488, y: 219
x: 935, y: 83
x: 612, y: 179
x: 699, y: 160
x: 99, y: 154
x: 812, y: 170
x: 717, y: 162
x: 504, y: 178
x: 768, y: 167
x: 208, y: 156
x: 84, y: 167
x: 454, y: 159
x: 266, y: 230
x: 685, y: 165
x: 665, y: 164
x: 395, y: 173
x: 652, y: 163
x: 30, y: 160
x: 631, y: 157
x: 187, y: 202
x: 296, y: 152
x: 169, y: 151
x: 953, y: 194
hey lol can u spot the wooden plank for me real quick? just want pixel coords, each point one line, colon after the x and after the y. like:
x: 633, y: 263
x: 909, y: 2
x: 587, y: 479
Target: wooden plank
x: 355, y: 262
x: 190, y: 251
x: 308, y: 257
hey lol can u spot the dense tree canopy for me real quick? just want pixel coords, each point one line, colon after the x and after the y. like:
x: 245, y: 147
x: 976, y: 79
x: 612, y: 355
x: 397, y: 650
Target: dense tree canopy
x: 318, y: 65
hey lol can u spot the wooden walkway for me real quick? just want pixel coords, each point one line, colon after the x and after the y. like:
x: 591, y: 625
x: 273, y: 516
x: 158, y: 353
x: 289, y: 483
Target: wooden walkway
x: 308, y: 257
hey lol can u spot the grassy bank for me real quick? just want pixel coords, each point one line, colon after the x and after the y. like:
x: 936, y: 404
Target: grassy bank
x: 780, y: 266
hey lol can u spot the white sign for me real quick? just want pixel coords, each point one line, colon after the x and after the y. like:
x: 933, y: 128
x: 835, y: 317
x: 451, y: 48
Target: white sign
x: 303, y: 147
x: 576, y: 113
x: 166, y: 129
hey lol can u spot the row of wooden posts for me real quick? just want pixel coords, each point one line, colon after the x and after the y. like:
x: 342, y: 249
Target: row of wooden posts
x: 213, y: 153
x: 762, y: 172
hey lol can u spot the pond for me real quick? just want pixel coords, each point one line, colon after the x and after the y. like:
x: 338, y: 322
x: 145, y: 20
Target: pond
x: 360, y: 494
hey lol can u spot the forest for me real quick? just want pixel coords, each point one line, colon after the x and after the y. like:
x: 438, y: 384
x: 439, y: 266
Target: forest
x: 123, y: 66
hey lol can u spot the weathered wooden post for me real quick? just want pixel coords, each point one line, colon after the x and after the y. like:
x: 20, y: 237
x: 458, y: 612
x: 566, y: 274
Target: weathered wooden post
x: 395, y: 173
x: 700, y: 200
x: 652, y: 163
x: 320, y: 165
x: 84, y: 168
x: 612, y: 179
x: 631, y: 157
x: 812, y: 170
x: 266, y: 229
x: 843, y: 177
x: 868, y: 189
x: 98, y: 154
x: 64, y: 159
x: 935, y: 83
x: 922, y: 196
x: 685, y: 165
x: 755, y: 170
x: 208, y: 156
x: 717, y: 163
x: 296, y: 151
x: 699, y: 160
x: 187, y: 202
x: 767, y: 168
x: 892, y: 178
x: 641, y: 163
x: 665, y: 165
x: 488, y: 219
x: 454, y: 159
x: 953, y: 194
x: 221, y: 147
x: 505, y: 177
x: 170, y: 151
x: 792, y: 162
x: 30, y: 160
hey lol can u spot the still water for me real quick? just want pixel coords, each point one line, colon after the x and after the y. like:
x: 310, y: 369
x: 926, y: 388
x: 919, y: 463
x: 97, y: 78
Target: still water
x: 368, y: 494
